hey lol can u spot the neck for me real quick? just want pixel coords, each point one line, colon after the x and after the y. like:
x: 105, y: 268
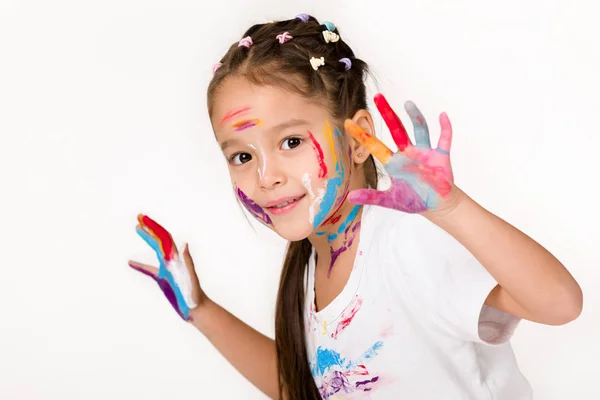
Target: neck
x: 337, y: 235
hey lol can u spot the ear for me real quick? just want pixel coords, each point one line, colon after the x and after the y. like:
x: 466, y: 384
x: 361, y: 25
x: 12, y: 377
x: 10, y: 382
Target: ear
x: 359, y: 152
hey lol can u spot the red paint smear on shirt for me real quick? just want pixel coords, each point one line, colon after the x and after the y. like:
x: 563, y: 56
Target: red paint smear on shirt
x: 347, y: 316
x: 319, y: 151
x: 233, y: 113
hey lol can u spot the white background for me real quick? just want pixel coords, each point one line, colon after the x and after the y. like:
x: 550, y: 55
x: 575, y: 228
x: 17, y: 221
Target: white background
x: 103, y: 116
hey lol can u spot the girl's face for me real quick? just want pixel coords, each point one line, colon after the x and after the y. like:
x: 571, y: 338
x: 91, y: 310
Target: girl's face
x: 289, y: 164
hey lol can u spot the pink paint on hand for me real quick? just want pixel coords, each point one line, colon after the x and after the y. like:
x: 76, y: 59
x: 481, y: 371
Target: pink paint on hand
x: 246, y: 123
x: 233, y: 113
x: 422, y: 178
x: 347, y: 316
x: 320, y: 158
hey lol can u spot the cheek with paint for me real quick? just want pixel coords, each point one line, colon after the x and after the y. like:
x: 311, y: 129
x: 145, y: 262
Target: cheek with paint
x: 173, y: 277
x: 329, y: 198
x: 254, y: 208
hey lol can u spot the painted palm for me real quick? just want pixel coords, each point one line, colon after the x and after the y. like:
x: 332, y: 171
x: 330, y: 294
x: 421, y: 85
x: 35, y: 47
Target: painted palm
x: 421, y: 176
x: 175, y: 277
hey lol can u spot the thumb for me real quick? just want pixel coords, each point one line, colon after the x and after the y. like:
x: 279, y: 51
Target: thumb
x: 189, y: 264
x: 145, y: 269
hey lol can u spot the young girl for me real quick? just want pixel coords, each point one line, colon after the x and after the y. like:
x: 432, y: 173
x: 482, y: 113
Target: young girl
x: 411, y: 292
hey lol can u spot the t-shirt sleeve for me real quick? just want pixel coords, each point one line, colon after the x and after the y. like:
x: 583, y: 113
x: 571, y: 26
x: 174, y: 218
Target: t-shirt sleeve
x: 447, y: 283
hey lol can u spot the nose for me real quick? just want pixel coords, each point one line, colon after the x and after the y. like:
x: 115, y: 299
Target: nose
x: 270, y: 174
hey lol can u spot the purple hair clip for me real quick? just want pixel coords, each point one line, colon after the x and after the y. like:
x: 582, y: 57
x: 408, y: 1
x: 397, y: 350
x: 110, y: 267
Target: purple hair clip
x: 216, y: 67
x: 284, y: 37
x: 303, y: 17
x: 347, y: 63
x: 245, y: 42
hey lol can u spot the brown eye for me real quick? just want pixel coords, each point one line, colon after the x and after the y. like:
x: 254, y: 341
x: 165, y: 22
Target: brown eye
x: 240, y: 158
x: 291, y: 143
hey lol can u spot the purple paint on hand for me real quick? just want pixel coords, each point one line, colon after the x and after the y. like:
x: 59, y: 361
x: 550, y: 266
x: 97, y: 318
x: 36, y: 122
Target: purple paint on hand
x: 400, y: 196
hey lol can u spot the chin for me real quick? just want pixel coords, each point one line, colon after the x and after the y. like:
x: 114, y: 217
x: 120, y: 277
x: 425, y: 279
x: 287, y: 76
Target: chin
x: 293, y: 232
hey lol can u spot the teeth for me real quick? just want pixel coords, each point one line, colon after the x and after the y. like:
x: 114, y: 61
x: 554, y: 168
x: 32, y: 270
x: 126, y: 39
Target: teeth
x: 285, y: 203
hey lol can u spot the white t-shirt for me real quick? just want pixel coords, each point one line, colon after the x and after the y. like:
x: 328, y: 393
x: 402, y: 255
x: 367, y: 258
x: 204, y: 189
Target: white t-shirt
x: 411, y: 321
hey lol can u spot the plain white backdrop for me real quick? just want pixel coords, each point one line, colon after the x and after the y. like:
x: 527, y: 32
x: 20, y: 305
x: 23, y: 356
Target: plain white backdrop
x: 103, y: 116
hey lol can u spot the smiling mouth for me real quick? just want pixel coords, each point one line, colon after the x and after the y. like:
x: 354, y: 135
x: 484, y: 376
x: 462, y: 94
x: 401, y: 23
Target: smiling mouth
x: 286, y: 203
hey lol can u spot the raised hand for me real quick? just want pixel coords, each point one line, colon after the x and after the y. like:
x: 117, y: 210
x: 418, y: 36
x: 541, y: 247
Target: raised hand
x: 176, y: 278
x: 421, y: 176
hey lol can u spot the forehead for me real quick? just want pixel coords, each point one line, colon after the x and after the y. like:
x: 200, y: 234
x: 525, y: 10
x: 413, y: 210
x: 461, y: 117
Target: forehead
x: 270, y: 103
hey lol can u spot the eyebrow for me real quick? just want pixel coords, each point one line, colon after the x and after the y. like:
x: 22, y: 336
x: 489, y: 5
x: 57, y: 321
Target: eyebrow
x: 279, y: 127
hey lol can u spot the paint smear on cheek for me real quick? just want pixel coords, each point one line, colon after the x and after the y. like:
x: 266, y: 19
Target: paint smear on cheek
x: 319, y: 151
x: 315, y: 201
x: 246, y: 123
x: 330, y: 140
x: 254, y: 208
x: 233, y: 113
x: 332, y: 189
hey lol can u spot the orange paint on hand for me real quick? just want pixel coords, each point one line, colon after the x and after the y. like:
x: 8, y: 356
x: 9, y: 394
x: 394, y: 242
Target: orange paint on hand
x: 375, y: 146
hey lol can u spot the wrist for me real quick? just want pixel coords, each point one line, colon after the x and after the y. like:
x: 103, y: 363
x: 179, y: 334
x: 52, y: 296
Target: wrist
x: 448, y: 206
x: 200, y: 314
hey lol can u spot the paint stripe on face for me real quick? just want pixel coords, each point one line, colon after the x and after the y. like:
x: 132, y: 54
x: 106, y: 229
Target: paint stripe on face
x: 246, y: 123
x: 319, y: 151
x: 254, y: 208
x: 330, y: 140
x: 333, y: 186
x: 315, y: 201
x: 234, y: 112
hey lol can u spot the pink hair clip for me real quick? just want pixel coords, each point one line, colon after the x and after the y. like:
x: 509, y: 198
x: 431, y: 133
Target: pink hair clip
x: 216, y: 67
x: 284, y: 37
x: 246, y: 42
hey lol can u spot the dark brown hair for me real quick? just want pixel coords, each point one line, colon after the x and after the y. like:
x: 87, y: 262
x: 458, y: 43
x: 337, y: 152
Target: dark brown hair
x: 343, y: 91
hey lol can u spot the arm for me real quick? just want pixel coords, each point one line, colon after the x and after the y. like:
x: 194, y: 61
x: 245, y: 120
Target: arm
x: 533, y: 284
x: 250, y: 352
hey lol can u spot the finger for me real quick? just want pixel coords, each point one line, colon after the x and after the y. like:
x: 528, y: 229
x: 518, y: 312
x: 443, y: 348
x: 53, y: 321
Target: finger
x: 145, y: 269
x: 370, y: 197
x: 189, y: 263
x: 393, y: 122
x: 163, y: 236
x: 374, y: 145
x: 153, y: 243
x: 419, y: 124
x: 445, y: 141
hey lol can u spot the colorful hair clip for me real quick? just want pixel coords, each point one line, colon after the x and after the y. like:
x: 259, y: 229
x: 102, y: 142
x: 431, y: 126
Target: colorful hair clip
x: 246, y: 42
x: 329, y: 25
x: 347, y: 63
x: 317, y: 62
x: 330, y: 36
x: 303, y: 17
x: 216, y: 67
x: 284, y: 37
